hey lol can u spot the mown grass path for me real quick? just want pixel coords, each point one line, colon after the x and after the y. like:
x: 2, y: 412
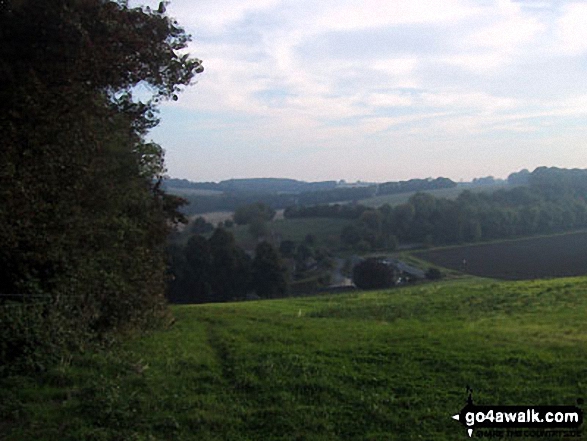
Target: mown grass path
x: 364, y: 366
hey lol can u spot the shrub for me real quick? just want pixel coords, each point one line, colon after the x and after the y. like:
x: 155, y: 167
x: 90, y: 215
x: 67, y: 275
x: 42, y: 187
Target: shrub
x: 373, y: 274
x: 434, y: 274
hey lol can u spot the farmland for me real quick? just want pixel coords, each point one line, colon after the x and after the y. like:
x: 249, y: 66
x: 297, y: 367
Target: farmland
x: 448, y: 193
x: 380, y: 365
x: 326, y: 230
x: 539, y: 257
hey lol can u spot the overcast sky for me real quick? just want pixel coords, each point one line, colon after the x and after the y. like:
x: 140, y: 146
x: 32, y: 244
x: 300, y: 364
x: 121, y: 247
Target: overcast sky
x: 379, y: 90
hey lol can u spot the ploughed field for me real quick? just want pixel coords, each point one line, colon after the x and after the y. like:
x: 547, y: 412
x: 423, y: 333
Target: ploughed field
x: 562, y: 255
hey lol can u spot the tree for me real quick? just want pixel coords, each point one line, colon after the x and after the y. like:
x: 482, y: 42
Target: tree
x: 310, y: 239
x: 302, y: 255
x: 433, y: 274
x: 230, y: 267
x: 287, y: 248
x: 245, y: 214
x: 373, y: 274
x: 197, y: 283
x: 519, y: 178
x: 84, y: 219
x: 268, y: 273
x: 350, y: 235
x: 258, y: 228
x: 201, y: 226
x: 401, y: 220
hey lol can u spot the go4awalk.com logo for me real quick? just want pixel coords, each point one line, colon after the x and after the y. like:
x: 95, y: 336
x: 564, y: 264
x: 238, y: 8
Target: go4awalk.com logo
x: 511, y: 419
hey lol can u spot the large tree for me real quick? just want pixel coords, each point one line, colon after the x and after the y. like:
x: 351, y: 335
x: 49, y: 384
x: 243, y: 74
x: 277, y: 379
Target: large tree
x: 83, y: 219
x: 268, y: 273
x: 230, y: 267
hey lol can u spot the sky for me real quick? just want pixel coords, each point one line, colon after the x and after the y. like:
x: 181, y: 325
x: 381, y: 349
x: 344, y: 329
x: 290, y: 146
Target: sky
x: 378, y: 90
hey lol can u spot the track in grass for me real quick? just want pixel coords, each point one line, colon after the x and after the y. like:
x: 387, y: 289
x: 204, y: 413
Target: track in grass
x: 380, y: 365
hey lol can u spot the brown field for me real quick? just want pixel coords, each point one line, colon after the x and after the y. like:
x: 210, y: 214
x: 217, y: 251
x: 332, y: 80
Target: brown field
x: 562, y: 255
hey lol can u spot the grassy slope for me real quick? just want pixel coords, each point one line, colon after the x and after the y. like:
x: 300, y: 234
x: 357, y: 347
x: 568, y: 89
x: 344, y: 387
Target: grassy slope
x: 372, y: 365
x: 448, y: 193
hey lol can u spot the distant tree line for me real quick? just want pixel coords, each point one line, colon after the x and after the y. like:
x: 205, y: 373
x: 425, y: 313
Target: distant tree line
x: 415, y: 185
x: 519, y: 178
x: 282, y: 193
x: 254, y: 185
x: 230, y: 201
x: 554, y: 200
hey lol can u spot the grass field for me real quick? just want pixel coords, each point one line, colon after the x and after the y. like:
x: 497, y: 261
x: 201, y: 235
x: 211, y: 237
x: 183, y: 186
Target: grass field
x: 561, y: 255
x: 326, y: 230
x: 388, y: 365
x: 448, y: 193
x: 193, y: 192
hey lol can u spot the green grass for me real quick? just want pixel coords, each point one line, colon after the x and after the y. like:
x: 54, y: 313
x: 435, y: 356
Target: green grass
x: 380, y: 365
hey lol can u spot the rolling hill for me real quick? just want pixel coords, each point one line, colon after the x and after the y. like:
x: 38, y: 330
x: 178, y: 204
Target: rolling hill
x: 380, y: 365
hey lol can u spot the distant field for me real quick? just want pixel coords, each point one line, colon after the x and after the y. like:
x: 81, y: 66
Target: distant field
x: 541, y: 257
x: 381, y: 365
x: 215, y: 217
x: 326, y: 230
x: 193, y: 191
x: 297, y: 229
x: 448, y: 193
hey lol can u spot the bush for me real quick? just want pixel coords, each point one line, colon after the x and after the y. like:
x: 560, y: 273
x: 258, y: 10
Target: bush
x: 84, y: 220
x: 245, y: 214
x: 434, y: 274
x: 373, y: 274
x: 37, y: 334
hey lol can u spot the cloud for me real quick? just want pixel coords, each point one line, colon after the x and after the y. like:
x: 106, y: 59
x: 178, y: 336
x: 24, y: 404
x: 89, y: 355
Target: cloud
x: 286, y: 76
x: 571, y: 30
x: 370, y: 14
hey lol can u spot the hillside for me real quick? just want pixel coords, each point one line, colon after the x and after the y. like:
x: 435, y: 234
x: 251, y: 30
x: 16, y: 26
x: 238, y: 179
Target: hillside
x: 448, y: 193
x: 390, y: 365
x: 205, y: 197
x: 253, y: 185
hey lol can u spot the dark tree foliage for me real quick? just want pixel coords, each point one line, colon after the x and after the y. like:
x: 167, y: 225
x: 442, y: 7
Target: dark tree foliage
x: 246, y: 214
x: 373, y: 274
x: 486, y: 180
x: 230, y: 269
x: 83, y: 219
x: 258, y: 228
x: 414, y: 185
x: 434, y: 274
x: 196, y: 268
x: 350, y: 235
x: 201, y: 226
x: 519, y: 178
x: 197, y: 283
x: 217, y: 270
x: 287, y: 248
x: 268, y: 273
